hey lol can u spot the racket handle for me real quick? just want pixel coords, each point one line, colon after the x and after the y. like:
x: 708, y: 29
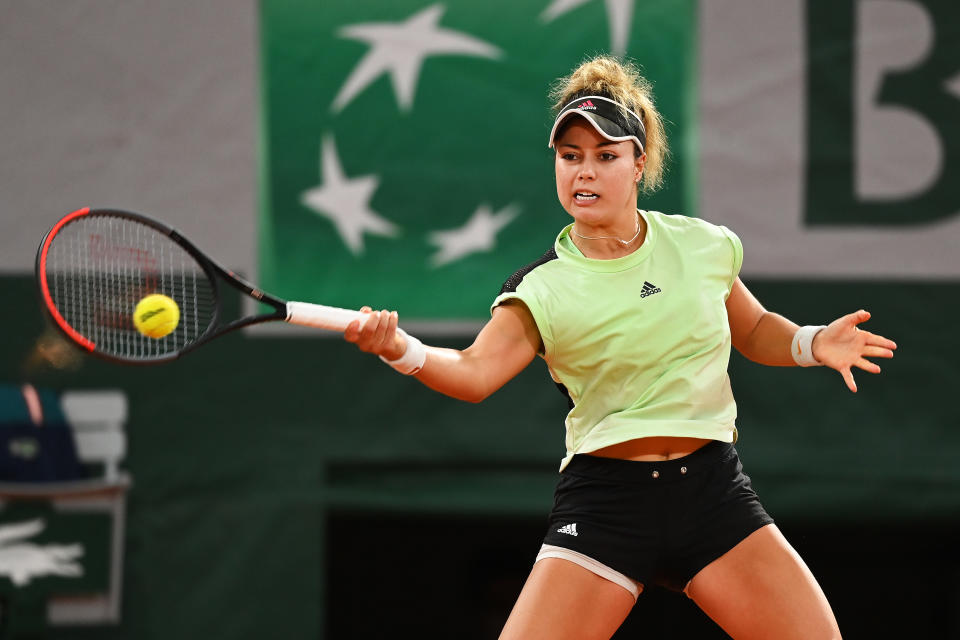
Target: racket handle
x: 321, y: 316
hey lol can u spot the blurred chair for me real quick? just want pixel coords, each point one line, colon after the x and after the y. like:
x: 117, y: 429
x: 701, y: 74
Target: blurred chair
x: 97, y: 419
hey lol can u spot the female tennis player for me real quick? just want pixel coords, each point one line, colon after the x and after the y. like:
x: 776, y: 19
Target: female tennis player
x: 635, y: 312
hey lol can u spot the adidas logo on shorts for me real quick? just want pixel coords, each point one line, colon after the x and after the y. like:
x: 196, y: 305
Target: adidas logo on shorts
x: 649, y: 289
x: 569, y: 529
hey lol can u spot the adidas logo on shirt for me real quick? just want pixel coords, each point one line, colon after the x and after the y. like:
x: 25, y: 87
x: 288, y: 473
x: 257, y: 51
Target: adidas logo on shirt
x: 569, y: 529
x: 649, y: 289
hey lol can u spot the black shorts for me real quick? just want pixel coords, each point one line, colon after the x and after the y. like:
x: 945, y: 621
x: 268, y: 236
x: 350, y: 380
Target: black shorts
x: 656, y: 522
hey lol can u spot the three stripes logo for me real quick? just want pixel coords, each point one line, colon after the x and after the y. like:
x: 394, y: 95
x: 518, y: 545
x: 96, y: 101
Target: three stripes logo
x: 586, y: 105
x: 569, y: 529
x: 649, y: 289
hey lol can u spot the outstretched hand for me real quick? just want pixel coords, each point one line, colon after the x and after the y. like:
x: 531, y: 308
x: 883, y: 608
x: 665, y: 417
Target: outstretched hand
x: 842, y: 345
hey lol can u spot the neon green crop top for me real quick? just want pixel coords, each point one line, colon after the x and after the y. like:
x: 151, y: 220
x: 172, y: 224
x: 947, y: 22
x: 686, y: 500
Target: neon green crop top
x: 641, y: 343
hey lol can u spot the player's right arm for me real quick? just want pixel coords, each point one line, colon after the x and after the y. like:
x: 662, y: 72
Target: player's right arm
x: 502, y: 349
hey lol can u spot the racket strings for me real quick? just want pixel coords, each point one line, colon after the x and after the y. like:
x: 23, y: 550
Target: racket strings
x: 99, y: 267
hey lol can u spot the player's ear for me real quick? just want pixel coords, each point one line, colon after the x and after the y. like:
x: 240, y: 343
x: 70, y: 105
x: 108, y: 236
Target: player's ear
x: 638, y: 164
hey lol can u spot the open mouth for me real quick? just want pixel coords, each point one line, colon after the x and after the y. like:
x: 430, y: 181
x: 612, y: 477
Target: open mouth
x: 585, y: 196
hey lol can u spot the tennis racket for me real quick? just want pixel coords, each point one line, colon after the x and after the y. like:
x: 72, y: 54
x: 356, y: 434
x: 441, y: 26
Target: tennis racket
x: 95, y: 265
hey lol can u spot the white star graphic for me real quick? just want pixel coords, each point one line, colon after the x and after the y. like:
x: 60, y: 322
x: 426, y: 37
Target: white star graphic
x: 400, y: 49
x: 619, y: 17
x: 478, y: 234
x: 346, y: 201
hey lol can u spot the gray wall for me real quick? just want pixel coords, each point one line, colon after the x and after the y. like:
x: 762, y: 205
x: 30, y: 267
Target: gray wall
x: 147, y: 106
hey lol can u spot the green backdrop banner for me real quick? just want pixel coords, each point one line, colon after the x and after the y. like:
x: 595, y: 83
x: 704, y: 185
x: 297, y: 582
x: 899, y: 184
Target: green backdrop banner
x: 405, y: 144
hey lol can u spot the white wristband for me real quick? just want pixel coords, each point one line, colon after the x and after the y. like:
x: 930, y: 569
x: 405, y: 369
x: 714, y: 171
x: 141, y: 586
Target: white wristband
x: 412, y: 359
x: 802, y: 346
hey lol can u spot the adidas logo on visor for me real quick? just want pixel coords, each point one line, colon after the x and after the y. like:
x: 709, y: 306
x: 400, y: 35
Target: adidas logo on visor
x: 586, y: 105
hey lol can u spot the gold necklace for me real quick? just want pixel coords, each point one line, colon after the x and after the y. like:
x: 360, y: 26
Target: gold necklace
x: 623, y: 242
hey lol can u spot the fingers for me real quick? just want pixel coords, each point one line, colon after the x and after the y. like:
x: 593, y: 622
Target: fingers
x: 393, y: 346
x: 866, y: 365
x: 376, y: 335
x: 848, y: 378
x: 858, y: 317
x: 394, y: 321
x: 352, y: 332
x: 862, y: 316
x: 383, y: 324
x: 879, y: 341
x: 876, y: 352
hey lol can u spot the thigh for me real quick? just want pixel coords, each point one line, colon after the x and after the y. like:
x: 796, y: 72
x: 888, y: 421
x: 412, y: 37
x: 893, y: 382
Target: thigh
x: 762, y: 589
x: 562, y: 600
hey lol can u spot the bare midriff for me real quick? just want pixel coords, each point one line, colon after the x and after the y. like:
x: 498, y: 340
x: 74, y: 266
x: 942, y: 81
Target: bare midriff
x: 652, y: 449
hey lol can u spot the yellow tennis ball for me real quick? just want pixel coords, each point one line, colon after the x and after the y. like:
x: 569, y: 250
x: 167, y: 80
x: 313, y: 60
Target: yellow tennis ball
x: 156, y: 315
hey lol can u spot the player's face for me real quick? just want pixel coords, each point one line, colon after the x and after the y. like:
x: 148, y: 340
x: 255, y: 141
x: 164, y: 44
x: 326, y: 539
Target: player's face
x: 596, y: 178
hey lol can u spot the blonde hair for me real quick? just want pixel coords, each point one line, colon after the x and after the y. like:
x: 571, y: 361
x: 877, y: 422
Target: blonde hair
x: 622, y: 82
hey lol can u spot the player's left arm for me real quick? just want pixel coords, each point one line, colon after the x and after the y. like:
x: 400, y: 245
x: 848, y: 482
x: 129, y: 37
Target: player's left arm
x: 765, y: 337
